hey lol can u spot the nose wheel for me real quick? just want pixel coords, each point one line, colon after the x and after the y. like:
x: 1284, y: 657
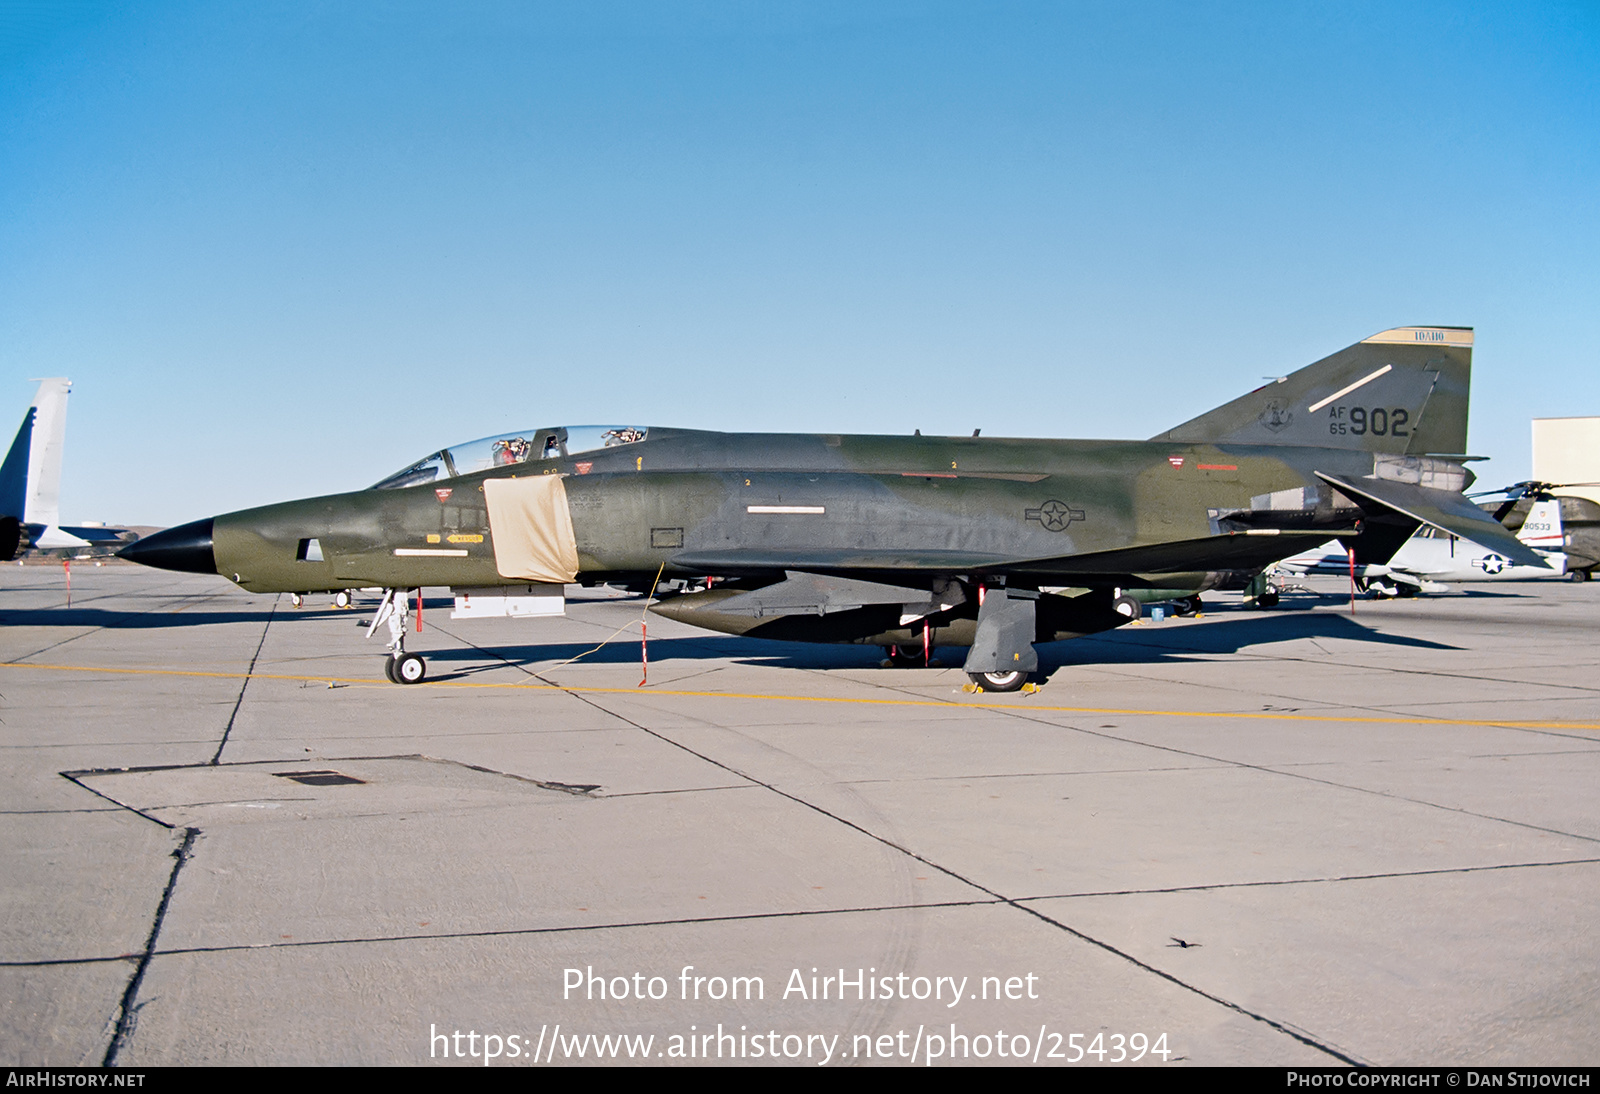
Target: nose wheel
x: 408, y: 669
x: 398, y: 665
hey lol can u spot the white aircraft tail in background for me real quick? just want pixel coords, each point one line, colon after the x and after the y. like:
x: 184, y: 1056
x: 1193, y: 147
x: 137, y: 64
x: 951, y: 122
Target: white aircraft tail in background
x: 30, y: 484
x: 1432, y: 557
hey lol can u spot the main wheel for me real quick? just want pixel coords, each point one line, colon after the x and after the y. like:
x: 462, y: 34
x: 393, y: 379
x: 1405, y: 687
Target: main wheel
x: 410, y: 669
x: 1128, y: 606
x: 341, y: 599
x: 296, y: 599
x: 905, y: 657
x: 388, y: 669
x: 1189, y: 605
x: 999, y: 681
x: 1268, y: 597
x: 1578, y: 575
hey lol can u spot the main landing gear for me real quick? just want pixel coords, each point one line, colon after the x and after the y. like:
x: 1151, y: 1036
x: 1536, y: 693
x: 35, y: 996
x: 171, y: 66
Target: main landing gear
x: 398, y: 665
x: 999, y: 681
x: 1002, y: 650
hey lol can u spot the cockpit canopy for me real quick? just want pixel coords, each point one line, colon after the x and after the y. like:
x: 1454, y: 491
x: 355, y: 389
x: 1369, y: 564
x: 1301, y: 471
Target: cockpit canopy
x: 487, y: 453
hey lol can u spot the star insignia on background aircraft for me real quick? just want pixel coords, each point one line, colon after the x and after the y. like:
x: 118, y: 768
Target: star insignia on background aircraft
x: 902, y: 542
x: 1431, y: 557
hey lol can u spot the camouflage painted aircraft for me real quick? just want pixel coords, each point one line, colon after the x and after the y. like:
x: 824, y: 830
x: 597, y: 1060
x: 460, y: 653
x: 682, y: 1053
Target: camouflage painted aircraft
x: 903, y: 542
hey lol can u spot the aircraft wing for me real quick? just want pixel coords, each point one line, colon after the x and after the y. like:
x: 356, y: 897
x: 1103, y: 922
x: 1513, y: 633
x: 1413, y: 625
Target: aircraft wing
x: 1443, y: 509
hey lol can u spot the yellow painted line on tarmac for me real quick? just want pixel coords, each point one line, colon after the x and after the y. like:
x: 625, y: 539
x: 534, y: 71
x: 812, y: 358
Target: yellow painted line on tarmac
x: 1020, y: 705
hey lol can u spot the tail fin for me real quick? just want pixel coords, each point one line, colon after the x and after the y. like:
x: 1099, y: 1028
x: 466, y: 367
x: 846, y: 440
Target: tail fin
x: 14, y: 472
x: 1403, y: 392
x: 43, y: 505
x: 1541, y: 528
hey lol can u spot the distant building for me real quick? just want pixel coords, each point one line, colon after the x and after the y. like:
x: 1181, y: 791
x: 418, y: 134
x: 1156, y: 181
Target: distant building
x: 1567, y: 450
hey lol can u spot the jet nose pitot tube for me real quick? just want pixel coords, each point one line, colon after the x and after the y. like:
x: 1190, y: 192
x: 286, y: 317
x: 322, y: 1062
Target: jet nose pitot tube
x: 187, y: 548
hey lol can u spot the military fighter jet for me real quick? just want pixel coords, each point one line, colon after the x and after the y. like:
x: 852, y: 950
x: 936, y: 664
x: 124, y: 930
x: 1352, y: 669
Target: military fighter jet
x: 30, y: 486
x: 903, y: 542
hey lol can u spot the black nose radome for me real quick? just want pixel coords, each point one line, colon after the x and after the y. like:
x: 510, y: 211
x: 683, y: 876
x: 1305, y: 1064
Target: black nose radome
x: 186, y: 548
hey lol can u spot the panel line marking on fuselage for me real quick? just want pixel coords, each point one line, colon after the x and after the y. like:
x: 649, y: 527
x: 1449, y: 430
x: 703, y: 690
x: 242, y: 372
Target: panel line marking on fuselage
x: 1271, y: 716
x: 1342, y: 392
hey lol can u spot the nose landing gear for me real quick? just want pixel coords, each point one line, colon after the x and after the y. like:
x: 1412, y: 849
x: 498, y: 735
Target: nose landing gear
x: 398, y: 665
x: 408, y: 669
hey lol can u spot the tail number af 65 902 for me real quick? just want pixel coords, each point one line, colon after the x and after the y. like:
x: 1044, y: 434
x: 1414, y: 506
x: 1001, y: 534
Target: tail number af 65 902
x: 1377, y: 420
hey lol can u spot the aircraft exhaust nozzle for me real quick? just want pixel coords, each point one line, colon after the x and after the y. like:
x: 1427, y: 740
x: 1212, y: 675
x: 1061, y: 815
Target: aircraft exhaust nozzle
x: 11, y: 538
x: 186, y: 548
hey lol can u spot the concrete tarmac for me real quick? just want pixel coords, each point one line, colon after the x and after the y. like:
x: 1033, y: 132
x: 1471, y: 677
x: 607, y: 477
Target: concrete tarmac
x: 1286, y: 837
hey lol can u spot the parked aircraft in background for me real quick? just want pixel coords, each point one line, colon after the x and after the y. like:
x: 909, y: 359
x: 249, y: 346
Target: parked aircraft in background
x: 30, y: 486
x: 903, y: 542
x: 1432, y: 560
x: 1579, y: 520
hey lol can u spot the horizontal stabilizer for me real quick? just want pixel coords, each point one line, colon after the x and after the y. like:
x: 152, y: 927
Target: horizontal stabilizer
x: 98, y: 533
x: 1444, y: 509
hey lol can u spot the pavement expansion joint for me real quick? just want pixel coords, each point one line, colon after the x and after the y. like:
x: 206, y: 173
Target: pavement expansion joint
x: 580, y: 790
x: 562, y: 929
x: 239, y: 700
x: 1332, y: 880
x: 1299, y: 1035
x: 1305, y: 1037
x: 127, y: 1015
x: 1287, y: 771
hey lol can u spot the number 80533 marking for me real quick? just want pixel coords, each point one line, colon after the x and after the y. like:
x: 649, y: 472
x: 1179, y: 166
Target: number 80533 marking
x: 1377, y: 420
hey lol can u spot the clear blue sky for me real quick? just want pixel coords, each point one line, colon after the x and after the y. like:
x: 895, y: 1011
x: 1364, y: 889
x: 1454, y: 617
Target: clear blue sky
x: 283, y: 248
